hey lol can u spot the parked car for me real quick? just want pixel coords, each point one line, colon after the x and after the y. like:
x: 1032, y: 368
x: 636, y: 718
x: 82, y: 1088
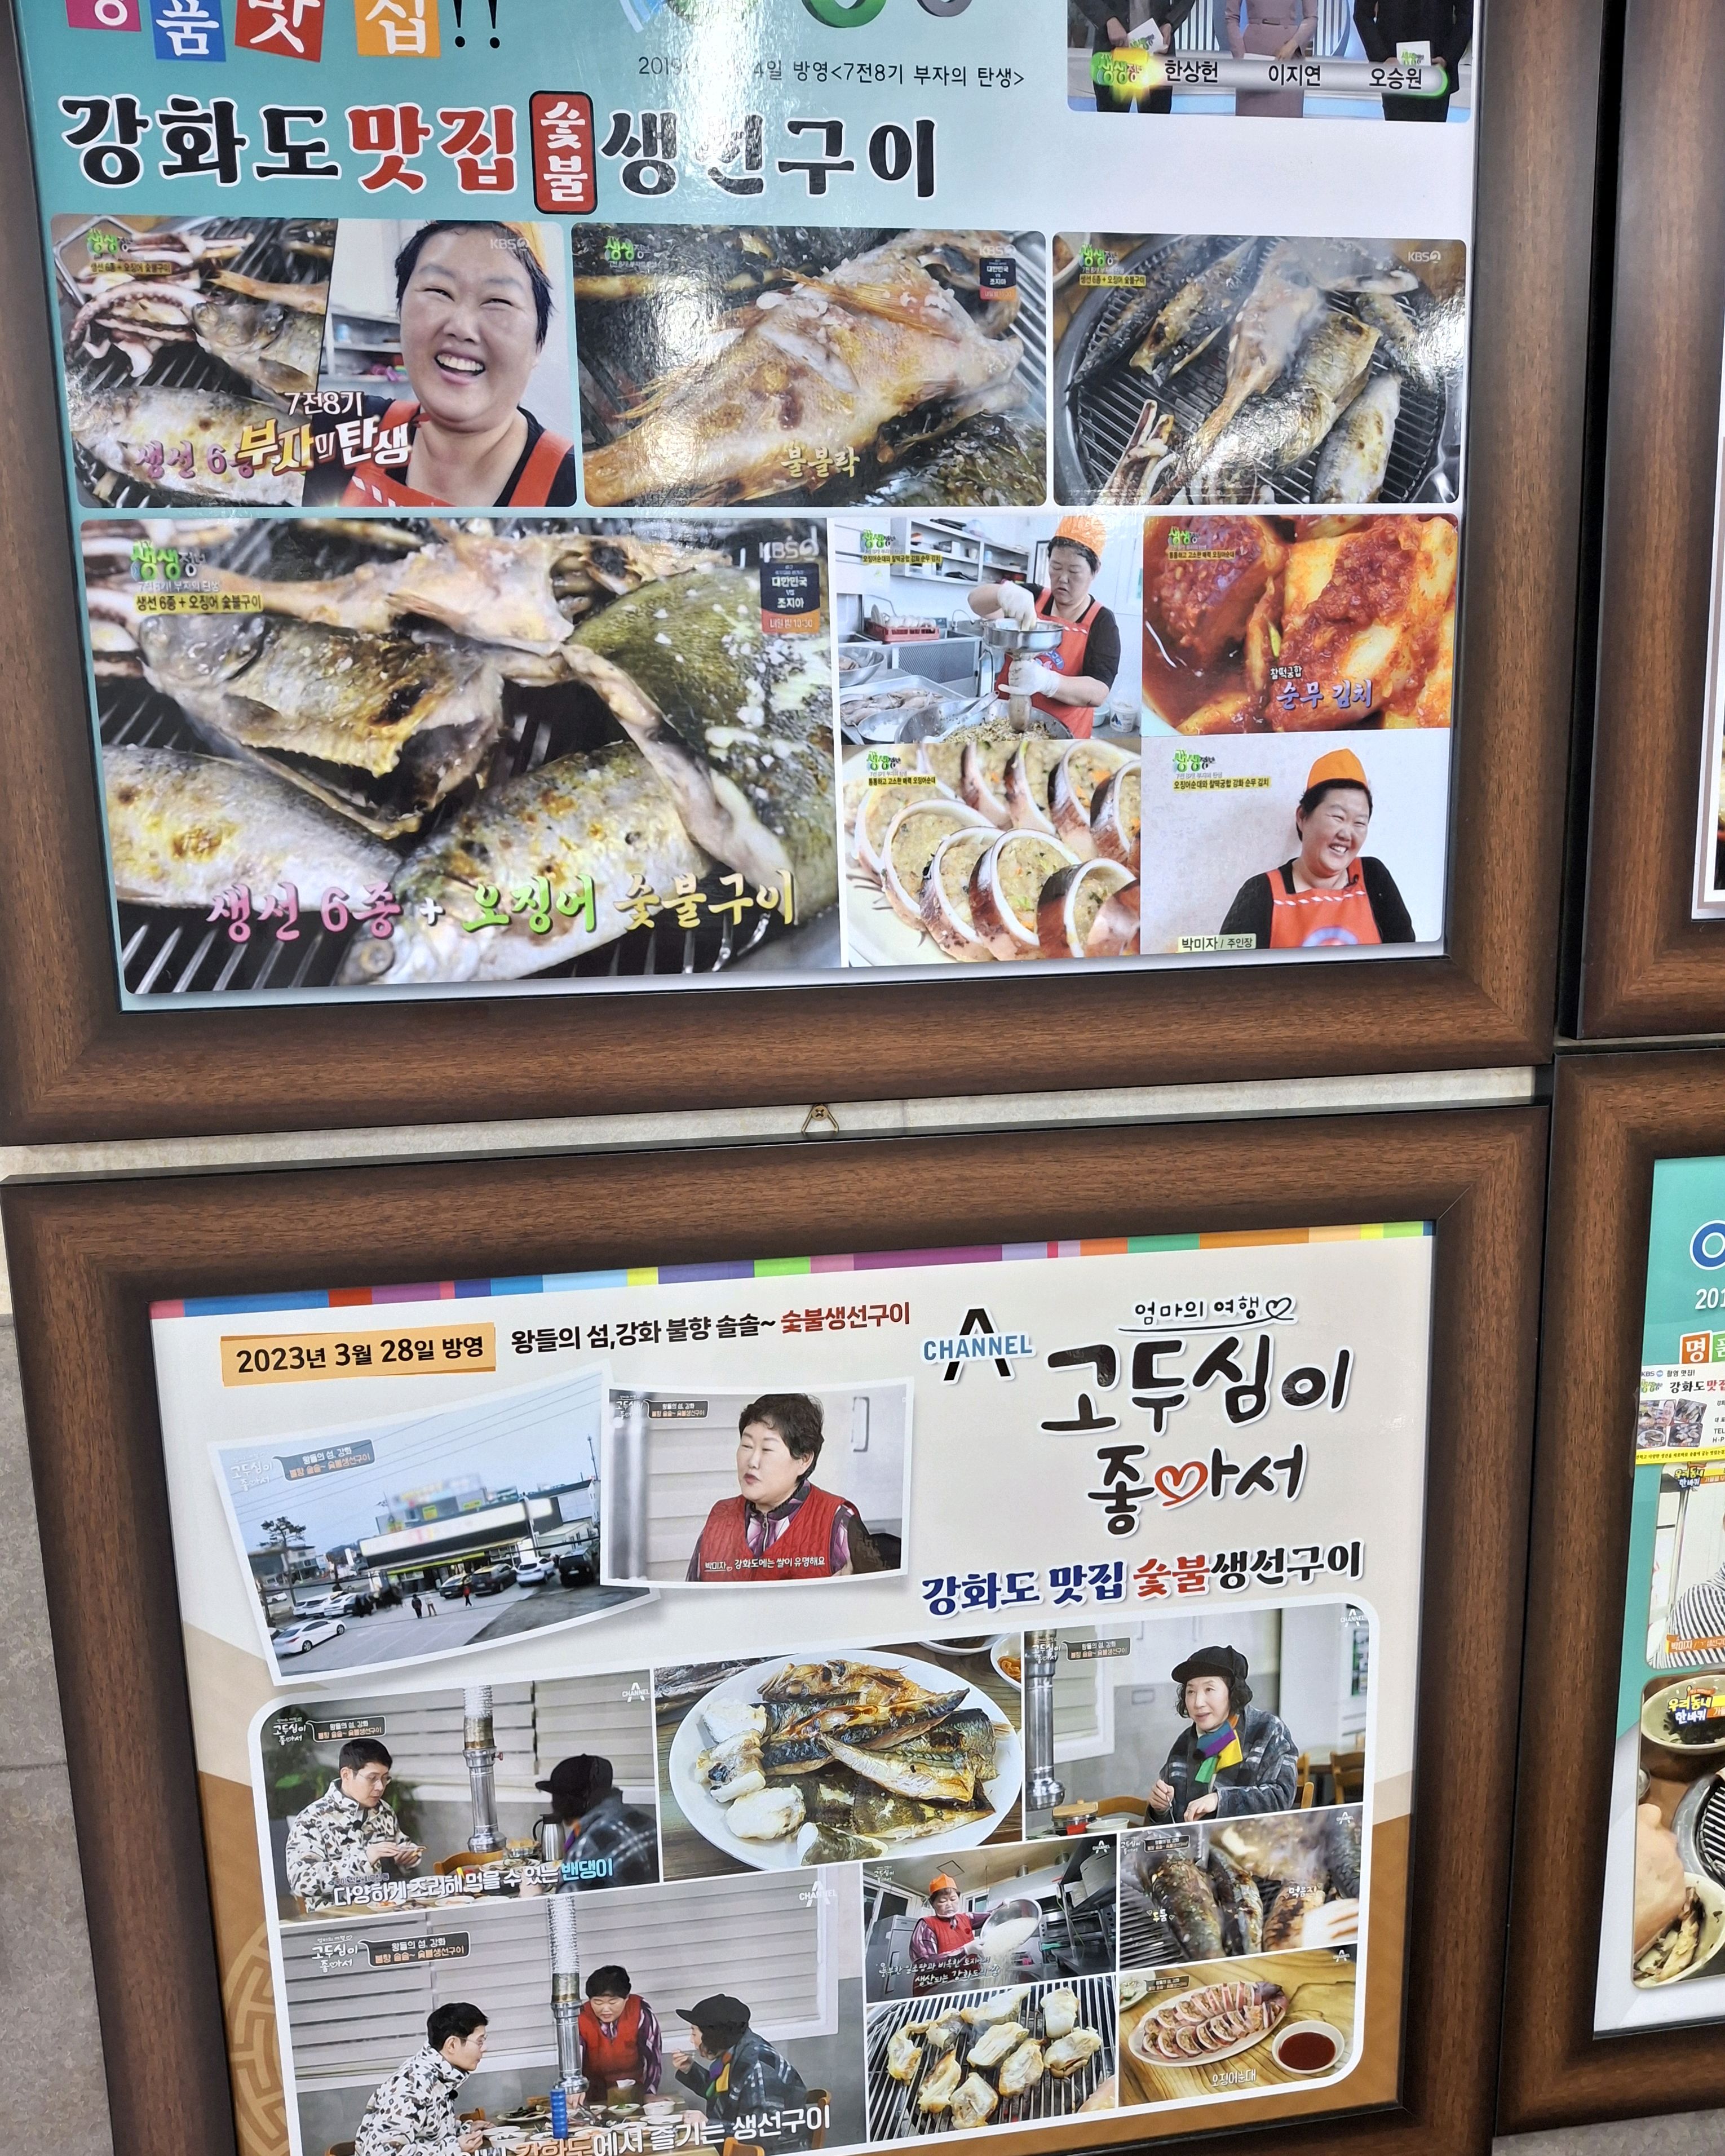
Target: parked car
x: 494, y: 1580
x: 320, y: 1605
x: 360, y: 1603
x: 301, y: 1637
x: 533, y: 1574
x: 388, y: 1596
x: 452, y: 1589
x: 577, y: 1567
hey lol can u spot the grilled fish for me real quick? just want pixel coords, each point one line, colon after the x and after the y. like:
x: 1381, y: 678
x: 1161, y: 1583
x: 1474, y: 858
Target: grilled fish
x: 826, y: 1844
x: 888, y: 1817
x: 731, y: 1771
x: 1285, y: 306
x: 120, y: 426
x: 1272, y: 433
x: 722, y: 1719
x: 268, y: 343
x: 1060, y: 2012
x: 998, y: 2006
x: 1239, y: 1905
x: 972, y: 2102
x: 766, y: 1814
x: 1071, y: 2052
x: 523, y: 592
x: 997, y: 461
x: 940, y: 2034
x: 1201, y: 309
x: 1342, y: 1853
x: 904, y: 2055
x: 997, y: 2042
x: 1180, y: 1890
x: 1022, y: 2071
x: 601, y: 814
x: 1286, y: 1914
x: 1162, y: 280
x: 873, y: 357
x: 1289, y: 1849
x: 379, y: 727
x: 936, y: 2093
x: 1356, y: 455
x: 183, y: 828
x: 738, y: 724
x: 951, y: 1785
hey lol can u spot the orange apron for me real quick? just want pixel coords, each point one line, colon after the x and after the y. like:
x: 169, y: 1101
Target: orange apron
x: 1300, y: 919
x: 1078, y: 719
x: 371, y: 487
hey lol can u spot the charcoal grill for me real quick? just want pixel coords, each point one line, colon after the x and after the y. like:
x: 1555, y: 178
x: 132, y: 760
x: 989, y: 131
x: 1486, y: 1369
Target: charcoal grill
x: 170, y: 952
x: 893, y: 2115
x: 186, y: 366
x: 1699, y: 1824
x: 1095, y: 417
x: 617, y: 370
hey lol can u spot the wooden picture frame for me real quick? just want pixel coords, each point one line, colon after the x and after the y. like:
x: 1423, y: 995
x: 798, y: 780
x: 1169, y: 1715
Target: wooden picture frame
x: 88, y: 1259
x: 1647, y: 967
x: 74, y: 1066
x: 1614, y: 1118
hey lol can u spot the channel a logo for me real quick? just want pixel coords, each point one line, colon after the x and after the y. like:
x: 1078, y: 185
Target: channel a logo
x: 977, y: 1341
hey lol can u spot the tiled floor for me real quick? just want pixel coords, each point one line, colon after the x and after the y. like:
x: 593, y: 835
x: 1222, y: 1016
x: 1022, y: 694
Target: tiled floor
x: 51, y: 2083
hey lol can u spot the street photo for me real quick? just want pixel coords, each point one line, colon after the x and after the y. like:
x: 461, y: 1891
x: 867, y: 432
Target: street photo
x: 406, y: 1539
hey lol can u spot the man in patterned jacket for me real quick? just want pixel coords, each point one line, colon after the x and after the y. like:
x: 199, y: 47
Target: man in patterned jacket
x: 413, y: 2112
x: 343, y: 1838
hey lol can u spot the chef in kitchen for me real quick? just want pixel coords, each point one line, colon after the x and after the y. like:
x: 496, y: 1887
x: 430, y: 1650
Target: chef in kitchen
x: 942, y: 1942
x: 1235, y: 1757
x: 1069, y: 683
x: 781, y: 1525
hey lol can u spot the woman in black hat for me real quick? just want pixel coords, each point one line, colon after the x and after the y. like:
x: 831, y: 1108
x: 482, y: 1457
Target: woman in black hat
x: 606, y: 1842
x: 1235, y: 1757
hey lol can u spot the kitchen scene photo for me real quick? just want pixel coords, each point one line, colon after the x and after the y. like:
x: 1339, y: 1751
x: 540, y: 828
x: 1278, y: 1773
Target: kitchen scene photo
x: 360, y: 754
x: 742, y: 1489
x: 424, y: 2026
x: 190, y: 346
x: 990, y: 2054
x: 1282, y: 842
x: 459, y: 1801
x: 1244, y: 2027
x: 407, y: 1538
x: 777, y: 1764
x: 1279, y: 624
x: 816, y: 366
x: 995, y: 1915
x: 1272, y: 59
x: 989, y: 714
x: 1154, y: 1722
x: 444, y: 375
x: 1202, y: 371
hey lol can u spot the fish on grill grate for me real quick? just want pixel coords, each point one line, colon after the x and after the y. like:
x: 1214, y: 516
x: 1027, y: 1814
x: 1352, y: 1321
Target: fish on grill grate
x: 118, y: 426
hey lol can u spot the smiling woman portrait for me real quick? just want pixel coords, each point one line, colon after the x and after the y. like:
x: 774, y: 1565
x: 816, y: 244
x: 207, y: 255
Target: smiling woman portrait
x: 1329, y: 892
x: 475, y: 306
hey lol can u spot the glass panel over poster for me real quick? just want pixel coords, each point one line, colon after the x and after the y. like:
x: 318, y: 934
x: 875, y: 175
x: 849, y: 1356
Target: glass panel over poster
x: 763, y: 491
x: 1083, y: 1793
x: 1665, y: 1884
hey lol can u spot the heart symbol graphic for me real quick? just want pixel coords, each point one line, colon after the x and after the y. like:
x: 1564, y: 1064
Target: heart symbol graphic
x: 1278, y: 1305
x: 1179, y: 1485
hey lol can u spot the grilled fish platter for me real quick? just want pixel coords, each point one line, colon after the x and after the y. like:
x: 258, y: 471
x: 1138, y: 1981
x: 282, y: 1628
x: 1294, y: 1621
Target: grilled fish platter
x: 877, y: 1756
x: 865, y: 359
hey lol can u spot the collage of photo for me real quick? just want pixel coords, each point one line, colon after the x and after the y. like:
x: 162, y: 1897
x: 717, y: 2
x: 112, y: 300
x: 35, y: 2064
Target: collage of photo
x: 823, y: 598
x: 899, y: 1891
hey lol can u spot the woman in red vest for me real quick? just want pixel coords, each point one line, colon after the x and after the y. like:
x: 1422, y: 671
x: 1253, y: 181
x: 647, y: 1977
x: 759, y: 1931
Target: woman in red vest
x: 948, y: 1931
x: 475, y: 305
x: 620, y: 2040
x: 780, y: 1526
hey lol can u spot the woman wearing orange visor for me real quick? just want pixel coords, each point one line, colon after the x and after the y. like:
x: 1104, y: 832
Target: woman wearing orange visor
x: 475, y: 308
x: 1329, y: 892
x: 1071, y: 682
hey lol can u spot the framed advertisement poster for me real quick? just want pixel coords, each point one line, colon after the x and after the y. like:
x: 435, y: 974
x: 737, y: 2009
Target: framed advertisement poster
x: 672, y: 522
x: 487, y: 1794
x: 1652, y: 958
x: 1614, y: 2017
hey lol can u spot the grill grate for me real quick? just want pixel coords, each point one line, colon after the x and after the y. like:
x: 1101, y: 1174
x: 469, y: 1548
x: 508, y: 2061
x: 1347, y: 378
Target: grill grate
x: 614, y: 374
x: 893, y: 2115
x: 171, y: 952
x: 1710, y: 1832
x: 1146, y: 1938
x: 185, y: 366
x: 1096, y: 417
